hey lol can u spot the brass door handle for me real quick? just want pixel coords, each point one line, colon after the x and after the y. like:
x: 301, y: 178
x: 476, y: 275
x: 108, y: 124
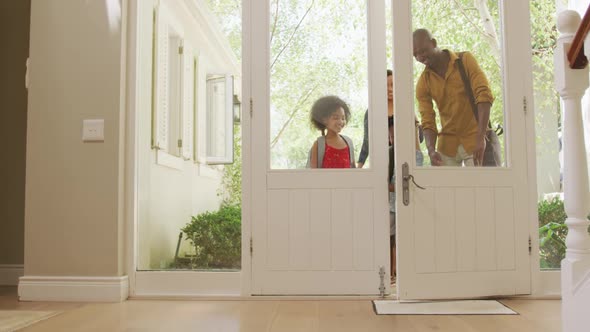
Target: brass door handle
x: 406, y: 177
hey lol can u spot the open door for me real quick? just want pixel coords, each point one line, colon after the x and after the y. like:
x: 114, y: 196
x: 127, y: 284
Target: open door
x: 467, y: 234
x: 315, y: 231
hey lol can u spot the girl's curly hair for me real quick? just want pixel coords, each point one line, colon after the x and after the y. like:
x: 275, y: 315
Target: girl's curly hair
x: 323, y: 109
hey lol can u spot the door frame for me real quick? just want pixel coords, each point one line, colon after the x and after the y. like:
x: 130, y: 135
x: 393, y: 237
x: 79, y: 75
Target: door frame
x: 545, y: 284
x: 191, y: 284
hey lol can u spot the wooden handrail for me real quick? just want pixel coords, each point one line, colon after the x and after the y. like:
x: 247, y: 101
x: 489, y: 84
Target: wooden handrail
x: 575, y: 56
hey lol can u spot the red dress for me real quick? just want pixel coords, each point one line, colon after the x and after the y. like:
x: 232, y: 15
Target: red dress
x: 336, y: 158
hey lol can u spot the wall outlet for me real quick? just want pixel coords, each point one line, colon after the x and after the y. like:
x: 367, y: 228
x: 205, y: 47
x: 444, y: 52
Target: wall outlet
x: 93, y: 130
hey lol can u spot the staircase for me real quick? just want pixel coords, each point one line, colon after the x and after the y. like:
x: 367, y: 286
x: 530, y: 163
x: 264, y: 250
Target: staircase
x: 571, y: 81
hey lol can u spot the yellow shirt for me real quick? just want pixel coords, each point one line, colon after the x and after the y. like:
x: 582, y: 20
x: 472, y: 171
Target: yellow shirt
x: 458, y: 124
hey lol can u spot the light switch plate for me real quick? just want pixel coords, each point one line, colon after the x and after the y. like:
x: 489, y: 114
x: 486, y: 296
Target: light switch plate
x: 93, y: 130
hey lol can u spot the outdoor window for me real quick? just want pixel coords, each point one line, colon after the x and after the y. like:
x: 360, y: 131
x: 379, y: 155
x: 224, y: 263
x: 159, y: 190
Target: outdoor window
x: 220, y: 117
x: 174, y: 95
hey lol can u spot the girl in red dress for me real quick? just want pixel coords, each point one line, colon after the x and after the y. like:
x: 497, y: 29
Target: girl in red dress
x: 330, y: 114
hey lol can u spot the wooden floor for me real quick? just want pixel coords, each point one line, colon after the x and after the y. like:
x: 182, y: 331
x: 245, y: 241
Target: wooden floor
x: 274, y: 315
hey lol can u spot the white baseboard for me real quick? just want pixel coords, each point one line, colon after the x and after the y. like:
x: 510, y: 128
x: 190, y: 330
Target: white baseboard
x: 9, y: 274
x: 73, y: 289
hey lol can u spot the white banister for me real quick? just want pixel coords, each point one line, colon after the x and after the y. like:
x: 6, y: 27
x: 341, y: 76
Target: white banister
x: 575, y: 268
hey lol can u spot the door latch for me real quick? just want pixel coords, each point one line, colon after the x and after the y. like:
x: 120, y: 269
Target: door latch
x: 406, y: 177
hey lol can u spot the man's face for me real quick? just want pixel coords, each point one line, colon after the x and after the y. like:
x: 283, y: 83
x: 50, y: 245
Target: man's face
x: 423, y: 50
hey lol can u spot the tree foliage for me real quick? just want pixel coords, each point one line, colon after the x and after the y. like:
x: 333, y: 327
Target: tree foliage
x: 552, y: 232
x: 216, y: 237
x: 319, y: 47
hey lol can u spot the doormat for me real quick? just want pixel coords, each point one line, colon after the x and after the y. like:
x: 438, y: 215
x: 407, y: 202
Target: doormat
x: 463, y: 307
x: 12, y: 320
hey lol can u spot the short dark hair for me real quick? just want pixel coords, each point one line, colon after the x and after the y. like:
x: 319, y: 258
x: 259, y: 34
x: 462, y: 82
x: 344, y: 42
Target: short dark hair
x: 324, y: 107
x: 422, y: 33
x: 389, y: 72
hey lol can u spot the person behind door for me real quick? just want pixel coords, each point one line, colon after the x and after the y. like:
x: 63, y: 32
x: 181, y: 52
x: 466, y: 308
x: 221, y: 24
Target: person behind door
x: 329, y: 115
x: 364, y: 154
x: 461, y: 139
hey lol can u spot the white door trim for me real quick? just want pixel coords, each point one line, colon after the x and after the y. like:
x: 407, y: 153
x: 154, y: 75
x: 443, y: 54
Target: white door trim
x: 246, y: 120
x: 162, y: 284
x: 131, y: 156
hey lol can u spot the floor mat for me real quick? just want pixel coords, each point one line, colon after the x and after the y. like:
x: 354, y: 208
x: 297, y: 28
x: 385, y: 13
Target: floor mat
x: 12, y: 320
x: 463, y: 307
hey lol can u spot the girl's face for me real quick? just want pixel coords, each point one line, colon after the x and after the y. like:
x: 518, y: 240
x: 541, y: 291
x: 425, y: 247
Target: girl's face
x: 336, y: 121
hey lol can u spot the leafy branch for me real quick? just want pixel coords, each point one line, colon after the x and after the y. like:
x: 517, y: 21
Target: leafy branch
x: 274, y: 25
x: 292, y: 34
x: 297, y: 107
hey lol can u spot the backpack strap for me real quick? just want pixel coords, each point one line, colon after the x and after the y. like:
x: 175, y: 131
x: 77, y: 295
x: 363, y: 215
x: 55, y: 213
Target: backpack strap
x: 321, y: 150
x: 467, y: 85
x: 468, y: 89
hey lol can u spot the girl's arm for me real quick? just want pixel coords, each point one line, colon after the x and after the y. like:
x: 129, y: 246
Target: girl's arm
x: 314, y: 155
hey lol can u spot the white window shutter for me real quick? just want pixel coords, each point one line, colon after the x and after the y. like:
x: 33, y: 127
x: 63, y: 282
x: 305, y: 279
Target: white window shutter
x: 161, y: 71
x: 188, y: 103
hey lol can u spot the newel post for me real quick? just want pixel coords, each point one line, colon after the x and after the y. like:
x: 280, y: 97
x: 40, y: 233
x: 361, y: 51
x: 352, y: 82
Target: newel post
x: 575, y: 268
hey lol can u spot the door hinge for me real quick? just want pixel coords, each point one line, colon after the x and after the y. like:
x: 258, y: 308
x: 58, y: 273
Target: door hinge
x: 179, y: 143
x: 524, y: 104
x: 180, y: 49
x: 381, y: 281
x: 251, y: 247
x: 251, y: 107
x: 530, y: 245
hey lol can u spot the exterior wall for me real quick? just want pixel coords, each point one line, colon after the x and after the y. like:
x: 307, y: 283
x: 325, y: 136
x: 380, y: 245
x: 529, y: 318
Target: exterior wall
x: 14, y: 36
x: 74, y: 192
x: 169, y: 197
x: 548, y: 166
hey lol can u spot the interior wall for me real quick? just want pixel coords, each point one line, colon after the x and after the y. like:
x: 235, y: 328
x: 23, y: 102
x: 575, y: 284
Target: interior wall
x: 14, y: 38
x: 73, y: 219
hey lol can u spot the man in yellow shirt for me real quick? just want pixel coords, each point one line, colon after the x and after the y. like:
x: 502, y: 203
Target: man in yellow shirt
x: 461, y: 140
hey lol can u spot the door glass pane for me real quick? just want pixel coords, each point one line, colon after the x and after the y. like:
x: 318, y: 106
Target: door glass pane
x: 189, y: 211
x: 552, y: 229
x: 317, y: 49
x: 470, y: 31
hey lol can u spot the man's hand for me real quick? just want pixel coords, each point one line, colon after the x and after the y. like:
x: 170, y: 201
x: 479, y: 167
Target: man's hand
x: 430, y: 137
x: 479, y: 151
x: 435, y: 158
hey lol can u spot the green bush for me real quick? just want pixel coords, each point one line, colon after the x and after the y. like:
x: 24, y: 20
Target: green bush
x: 552, y: 233
x: 217, y: 238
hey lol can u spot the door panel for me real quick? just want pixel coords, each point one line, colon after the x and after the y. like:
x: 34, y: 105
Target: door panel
x: 316, y: 231
x: 467, y: 233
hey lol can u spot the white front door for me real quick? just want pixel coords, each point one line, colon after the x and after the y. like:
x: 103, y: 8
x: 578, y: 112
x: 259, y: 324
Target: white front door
x: 467, y: 234
x: 321, y: 231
